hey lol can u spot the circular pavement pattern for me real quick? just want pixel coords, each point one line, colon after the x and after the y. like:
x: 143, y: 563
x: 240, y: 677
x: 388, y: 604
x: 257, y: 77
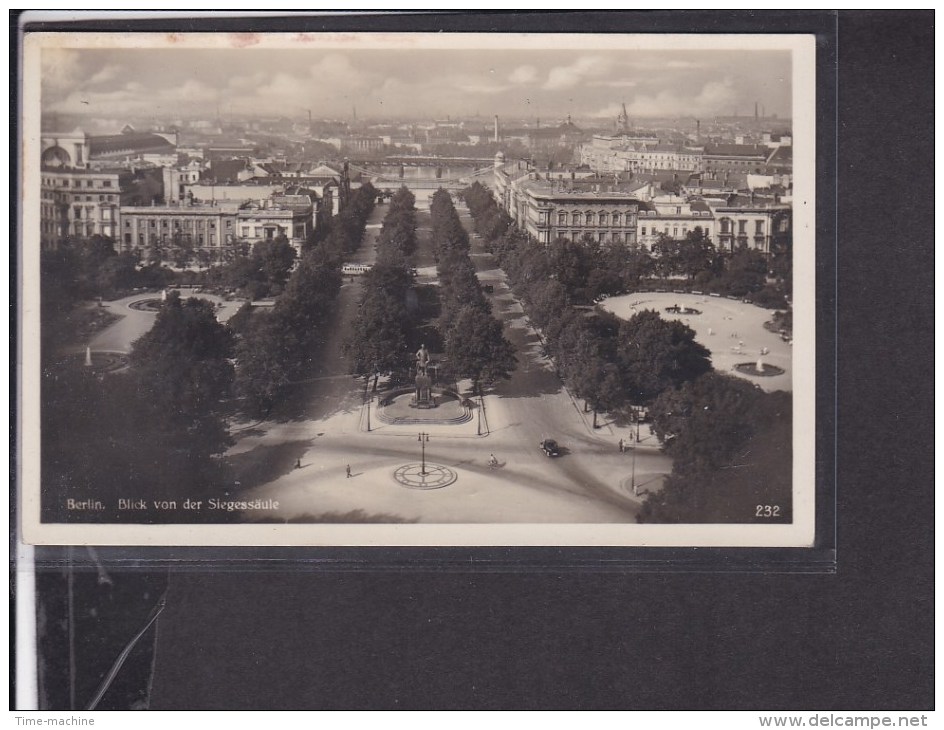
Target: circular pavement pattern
x: 146, y: 305
x: 436, y: 477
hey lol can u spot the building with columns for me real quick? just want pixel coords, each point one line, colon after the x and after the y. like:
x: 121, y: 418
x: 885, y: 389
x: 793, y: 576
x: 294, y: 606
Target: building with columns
x: 79, y: 203
x: 215, y: 226
x: 551, y: 205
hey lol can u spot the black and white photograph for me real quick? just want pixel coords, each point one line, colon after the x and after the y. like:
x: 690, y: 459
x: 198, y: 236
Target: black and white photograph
x: 418, y: 289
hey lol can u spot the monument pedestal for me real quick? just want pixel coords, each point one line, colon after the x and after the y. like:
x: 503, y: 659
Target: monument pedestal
x: 423, y: 396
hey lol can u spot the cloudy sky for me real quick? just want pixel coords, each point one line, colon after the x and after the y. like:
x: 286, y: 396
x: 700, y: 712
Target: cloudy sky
x: 413, y: 82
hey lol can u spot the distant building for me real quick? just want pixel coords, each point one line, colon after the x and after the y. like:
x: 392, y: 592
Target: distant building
x: 214, y: 226
x: 176, y: 180
x: 361, y: 144
x: 737, y: 158
x: 555, y: 205
x: 210, y: 227
x: 673, y: 217
x: 752, y: 222
x: 77, y: 203
x: 81, y: 150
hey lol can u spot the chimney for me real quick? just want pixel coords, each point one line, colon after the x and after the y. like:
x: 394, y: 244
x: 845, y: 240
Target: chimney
x: 496, y: 128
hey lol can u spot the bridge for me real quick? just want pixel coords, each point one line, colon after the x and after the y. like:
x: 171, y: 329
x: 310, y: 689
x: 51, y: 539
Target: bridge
x: 422, y: 161
x: 395, y: 178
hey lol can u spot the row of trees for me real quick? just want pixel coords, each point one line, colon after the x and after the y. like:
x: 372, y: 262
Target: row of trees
x: 473, y: 341
x: 277, y: 348
x: 379, y: 337
x: 708, y: 422
x: 589, y: 269
x: 158, y: 430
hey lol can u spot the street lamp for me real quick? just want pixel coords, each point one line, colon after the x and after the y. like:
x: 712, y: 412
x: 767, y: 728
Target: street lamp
x: 369, y: 399
x: 633, y: 478
x: 423, y: 438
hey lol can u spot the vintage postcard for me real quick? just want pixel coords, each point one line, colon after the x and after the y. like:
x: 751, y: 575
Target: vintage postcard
x: 417, y: 289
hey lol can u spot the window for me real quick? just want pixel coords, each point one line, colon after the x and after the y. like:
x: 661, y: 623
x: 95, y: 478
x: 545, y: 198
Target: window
x: 589, y: 218
x: 77, y: 211
x: 89, y: 183
x: 759, y: 227
x: 675, y: 232
x: 151, y: 223
x: 127, y: 224
x: 616, y: 219
x: 562, y: 219
x: 742, y: 226
x: 106, y: 183
x: 644, y: 230
x: 603, y: 219
x: 577, y: 219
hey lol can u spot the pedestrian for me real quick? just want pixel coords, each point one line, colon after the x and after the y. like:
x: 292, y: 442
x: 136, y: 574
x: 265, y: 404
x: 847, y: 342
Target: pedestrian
x: 298, y: 463
x: 622, y: 446
x: 348, y: 471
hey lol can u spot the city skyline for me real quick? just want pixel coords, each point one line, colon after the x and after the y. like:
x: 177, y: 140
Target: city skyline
x: 337, y: 82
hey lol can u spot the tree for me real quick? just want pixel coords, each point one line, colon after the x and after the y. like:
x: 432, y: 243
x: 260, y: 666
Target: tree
x: 697, y: 253
x: 378, y: 335
x: 655, y: 354
x: 274, y: 260
x: 571, y: 263
x: 477, y: 349
x: 182, y: 364
x: 731, y: 448
x: 266, y: 355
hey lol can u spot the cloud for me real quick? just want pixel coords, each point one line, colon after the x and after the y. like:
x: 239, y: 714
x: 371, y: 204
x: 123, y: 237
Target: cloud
x: 105, y: 74
x: 585, y: 67
x: 685, y: 64
x: 616, y: 83
x: 715, y: 97
x: 523, y: 75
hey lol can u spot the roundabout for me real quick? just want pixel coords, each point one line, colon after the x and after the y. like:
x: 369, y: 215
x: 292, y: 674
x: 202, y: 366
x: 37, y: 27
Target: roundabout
x: 435, y: 476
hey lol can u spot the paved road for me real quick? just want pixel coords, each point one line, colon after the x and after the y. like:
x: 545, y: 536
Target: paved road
x: 586, y: 484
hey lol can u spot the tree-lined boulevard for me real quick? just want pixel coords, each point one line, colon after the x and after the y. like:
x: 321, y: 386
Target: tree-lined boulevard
x: 291, y: 406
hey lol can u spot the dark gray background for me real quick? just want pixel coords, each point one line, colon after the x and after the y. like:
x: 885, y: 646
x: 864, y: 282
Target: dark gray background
x: 859, y: 639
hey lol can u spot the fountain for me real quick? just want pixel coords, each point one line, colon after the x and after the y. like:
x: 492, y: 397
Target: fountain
x: 88, y: 357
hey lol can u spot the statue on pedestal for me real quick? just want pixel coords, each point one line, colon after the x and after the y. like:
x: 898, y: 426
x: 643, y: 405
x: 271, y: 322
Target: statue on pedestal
x: 423, y: 396
x: 422, y: 360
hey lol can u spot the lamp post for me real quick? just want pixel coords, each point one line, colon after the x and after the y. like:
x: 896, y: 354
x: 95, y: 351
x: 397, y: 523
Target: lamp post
x: 369, y: 399
x: 423, y: 438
